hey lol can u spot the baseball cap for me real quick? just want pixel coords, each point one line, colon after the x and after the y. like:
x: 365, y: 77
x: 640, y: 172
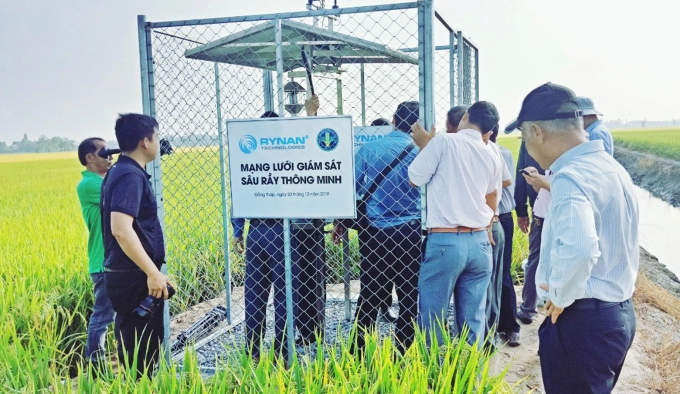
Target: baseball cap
x: 587, y: 106
x: 547, y: 102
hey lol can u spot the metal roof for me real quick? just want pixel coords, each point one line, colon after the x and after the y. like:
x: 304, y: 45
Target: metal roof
x: 256, y: 47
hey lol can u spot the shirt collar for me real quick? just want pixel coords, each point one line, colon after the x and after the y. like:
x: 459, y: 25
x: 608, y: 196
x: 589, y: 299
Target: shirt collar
x: 90, y: 174
x: 472, y: 133
x: 579, y: 150
x: 129, y: 160
x: 398, y: 133
x: 593, y: 125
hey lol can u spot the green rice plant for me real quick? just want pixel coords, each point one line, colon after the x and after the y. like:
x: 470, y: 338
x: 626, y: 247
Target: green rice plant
x: 660, y: 142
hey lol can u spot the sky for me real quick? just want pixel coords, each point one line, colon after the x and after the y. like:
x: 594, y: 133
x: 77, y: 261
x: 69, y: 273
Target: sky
x: 68, y: 67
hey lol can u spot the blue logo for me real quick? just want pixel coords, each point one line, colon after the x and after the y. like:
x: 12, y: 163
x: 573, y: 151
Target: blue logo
x: 327, y: 140
x: 247, y: 144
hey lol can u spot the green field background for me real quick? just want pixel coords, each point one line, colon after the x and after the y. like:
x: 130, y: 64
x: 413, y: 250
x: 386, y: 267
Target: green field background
x: 45, y: 293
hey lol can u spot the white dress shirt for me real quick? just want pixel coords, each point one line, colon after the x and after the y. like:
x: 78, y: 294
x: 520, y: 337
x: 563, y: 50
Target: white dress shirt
x: 459, y: 170
x: 590, y: 246
x: 542, y: 202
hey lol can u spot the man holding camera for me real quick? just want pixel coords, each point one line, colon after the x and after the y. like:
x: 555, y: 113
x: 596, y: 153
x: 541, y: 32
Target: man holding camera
x: 134, y: 249
x: 89, y: 195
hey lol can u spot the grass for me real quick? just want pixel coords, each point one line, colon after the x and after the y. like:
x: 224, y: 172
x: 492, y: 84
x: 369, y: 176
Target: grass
x: 660, y: 142
x: 46, y: 295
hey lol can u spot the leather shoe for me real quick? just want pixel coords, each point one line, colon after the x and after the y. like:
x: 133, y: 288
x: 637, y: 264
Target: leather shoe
x: 524, y: 319
x: 513, y: 339
x: 388, y: 315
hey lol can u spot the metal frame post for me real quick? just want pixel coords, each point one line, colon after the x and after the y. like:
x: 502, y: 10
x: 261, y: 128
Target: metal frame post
x: 290, y: 328
x: 223, y: 186
x: 426, y: 79
x: 476, y: 74
x: 452, y: 70
x: 153, y: 168
x: 461, y: 67
x: 268, y: 88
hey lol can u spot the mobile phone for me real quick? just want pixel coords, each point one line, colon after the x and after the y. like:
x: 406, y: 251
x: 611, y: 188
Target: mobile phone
x: 525, y: 172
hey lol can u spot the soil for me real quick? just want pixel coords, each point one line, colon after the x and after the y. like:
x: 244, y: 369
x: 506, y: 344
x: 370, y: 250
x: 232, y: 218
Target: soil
x: 652, y: 173
x: 654, y: 329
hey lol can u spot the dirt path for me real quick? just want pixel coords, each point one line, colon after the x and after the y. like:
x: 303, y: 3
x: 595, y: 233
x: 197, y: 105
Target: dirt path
x: 637, y: 375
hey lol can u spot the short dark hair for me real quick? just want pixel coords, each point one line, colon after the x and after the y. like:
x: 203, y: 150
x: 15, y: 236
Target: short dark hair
x: 269, y: 114
x: 132, y: 128
x: 406, y: 115
x: 484, y: 115
x: 381, y: 122
x: 86, y: 147
x: 494, y: 133
x: 455, y: 114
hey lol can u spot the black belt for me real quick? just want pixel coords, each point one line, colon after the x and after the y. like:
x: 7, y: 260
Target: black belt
x: 267, y: 222
x: 538, y: 221
x: 594, y: 303
x: 505, y: 215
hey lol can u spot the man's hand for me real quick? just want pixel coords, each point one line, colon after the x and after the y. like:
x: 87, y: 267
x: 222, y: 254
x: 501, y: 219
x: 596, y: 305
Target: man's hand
x: 553, y: 311
x: 237, y: 244
x: 489, y: 232
x: 158, y: 285
x: 312, y: 105
x: 537, y: 181
x: 422, y: 137
x: 523, y: 223
x: 337, y: 233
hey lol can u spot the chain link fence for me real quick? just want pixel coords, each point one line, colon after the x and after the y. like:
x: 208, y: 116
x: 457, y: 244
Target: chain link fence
x: 197, y: 74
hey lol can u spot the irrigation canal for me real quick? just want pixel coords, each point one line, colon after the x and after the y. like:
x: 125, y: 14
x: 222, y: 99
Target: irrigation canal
x: 660, y: 229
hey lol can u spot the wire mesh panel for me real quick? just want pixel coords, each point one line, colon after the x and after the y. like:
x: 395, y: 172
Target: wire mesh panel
x: 359, y: 62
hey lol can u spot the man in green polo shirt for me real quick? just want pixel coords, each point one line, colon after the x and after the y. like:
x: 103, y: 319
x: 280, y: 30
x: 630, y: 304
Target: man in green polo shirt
x: 89, y: 192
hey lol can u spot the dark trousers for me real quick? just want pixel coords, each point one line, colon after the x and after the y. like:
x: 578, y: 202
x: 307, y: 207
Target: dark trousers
x: 529, y: 295
x: 585, y: 350
x: 265, y: 266
x: 508, y: 318
x: 310, y: 284
x: 139, y: 338
x: 390, y: 255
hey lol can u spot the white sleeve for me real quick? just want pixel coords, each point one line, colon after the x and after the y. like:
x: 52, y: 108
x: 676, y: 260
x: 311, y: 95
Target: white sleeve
x: 507, y: 176
x: 494, y: 180
x: 425, y: 164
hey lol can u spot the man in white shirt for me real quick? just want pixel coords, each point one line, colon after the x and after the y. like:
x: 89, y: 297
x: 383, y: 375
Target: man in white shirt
x: 461, y: 174
x: 589, y: 251
x: 493, y: 294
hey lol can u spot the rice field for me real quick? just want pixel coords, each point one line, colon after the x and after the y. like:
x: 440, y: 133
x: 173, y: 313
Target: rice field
x: 45, y: 292
x: 660, y: 142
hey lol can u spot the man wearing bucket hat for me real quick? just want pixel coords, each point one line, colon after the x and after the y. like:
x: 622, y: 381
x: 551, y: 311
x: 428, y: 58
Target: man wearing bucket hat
x: 588, y: 265
x: 594, y: 126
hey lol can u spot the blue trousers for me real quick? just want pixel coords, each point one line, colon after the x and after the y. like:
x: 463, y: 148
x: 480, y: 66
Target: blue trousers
x: 495, y: 289
x: 102, y: 316
x: 585, y: 350
x: 265, y: 266
x: 456, y: 264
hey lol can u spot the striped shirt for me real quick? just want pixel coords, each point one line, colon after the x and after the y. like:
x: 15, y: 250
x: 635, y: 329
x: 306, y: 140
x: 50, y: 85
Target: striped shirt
x: 507, y: 203
x: 590, y: 243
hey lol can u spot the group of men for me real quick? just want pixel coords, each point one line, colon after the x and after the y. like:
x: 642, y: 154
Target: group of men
x: 583, y: 239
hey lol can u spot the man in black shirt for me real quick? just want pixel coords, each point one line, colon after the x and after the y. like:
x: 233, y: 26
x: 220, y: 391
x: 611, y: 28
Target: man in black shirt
x: 133, y: 243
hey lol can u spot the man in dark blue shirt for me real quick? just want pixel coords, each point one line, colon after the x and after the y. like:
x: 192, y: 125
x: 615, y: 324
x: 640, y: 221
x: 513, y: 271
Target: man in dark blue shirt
x: 390, y: 245
x: 524, y: 191
x: 134, y: 249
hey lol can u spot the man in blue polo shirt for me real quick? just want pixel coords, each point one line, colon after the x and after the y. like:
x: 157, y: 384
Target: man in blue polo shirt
x: 134, y: 249
x: 390, y: 244
x: 594, y: 126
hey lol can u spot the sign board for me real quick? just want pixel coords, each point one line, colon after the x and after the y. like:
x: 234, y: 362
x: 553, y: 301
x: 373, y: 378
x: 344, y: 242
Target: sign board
x: 296, y: 168
x: 364, y: 134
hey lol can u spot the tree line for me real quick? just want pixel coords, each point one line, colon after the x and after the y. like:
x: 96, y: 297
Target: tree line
x: 43, y: 144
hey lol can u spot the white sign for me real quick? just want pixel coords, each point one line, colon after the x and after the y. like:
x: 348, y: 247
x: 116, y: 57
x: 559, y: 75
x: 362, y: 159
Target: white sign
x: 364, y: 134
x: 297, y: 168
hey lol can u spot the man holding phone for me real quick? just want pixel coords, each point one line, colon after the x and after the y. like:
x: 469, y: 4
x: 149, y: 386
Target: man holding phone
x: 134, y: 249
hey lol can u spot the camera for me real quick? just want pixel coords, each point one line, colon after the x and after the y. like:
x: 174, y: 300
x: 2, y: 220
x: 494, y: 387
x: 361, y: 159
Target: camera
x: 149, y: 305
